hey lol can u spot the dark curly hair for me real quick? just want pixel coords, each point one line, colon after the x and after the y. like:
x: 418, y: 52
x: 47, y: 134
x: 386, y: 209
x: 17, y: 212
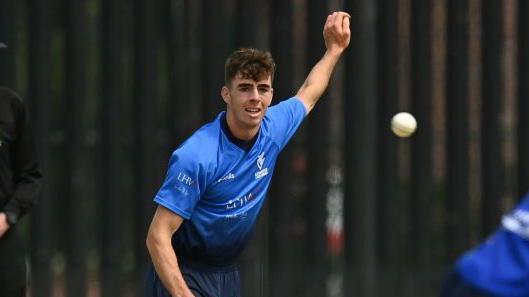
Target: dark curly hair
x: 250, y: 63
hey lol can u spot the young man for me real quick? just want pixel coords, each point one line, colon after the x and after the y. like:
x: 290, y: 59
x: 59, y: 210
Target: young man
x: 218, y: 178
x: 499, y: 266
x: 19, y: 185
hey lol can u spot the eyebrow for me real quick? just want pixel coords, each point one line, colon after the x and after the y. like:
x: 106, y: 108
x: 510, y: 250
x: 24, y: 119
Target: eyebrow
x: 244, y: 85
x: 241, y: 85
x: 264, y: 85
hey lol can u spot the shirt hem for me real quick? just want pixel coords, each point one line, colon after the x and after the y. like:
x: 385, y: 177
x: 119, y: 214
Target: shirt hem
x: 172, y: 208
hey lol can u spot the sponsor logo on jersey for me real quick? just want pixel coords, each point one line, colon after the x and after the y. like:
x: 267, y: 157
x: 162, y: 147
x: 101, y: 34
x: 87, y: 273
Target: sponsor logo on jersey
x: 186, y: 180
x: 262, y: 171
x: 227, y: 177
x: 182, y: 189
x: 239, y: 216
x: 239, y: 201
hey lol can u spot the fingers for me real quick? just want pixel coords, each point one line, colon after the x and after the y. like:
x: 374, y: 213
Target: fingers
x: 339, y: 16
x: 329, y: 20
x: 336, y: 31
x: 339, y: 20
x: 345, y: 25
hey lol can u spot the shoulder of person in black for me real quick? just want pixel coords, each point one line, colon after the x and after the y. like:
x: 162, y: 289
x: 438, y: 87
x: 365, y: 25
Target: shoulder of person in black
x: 10, y: 104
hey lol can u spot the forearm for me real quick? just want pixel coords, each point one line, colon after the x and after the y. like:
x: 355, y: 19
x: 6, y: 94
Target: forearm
x: 26, y: 193
x: 318, y: 79
x: 26, y: 170
x: 166, y: 264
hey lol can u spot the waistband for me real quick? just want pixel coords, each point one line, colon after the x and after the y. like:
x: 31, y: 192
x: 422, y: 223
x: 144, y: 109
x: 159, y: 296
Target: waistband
x: 201, y: 265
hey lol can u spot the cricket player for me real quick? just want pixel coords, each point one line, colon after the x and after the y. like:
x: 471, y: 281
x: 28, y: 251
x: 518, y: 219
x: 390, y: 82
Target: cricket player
x: 218, y: 178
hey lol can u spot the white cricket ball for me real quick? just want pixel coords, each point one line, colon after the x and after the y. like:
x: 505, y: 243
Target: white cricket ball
x: 403, y: 124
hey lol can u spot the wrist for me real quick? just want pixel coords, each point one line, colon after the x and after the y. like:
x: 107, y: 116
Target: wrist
x: 334, y: 52
x: 10, y: 217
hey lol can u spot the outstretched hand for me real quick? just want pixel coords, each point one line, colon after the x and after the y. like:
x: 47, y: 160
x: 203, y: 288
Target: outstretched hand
x: 336, y: 32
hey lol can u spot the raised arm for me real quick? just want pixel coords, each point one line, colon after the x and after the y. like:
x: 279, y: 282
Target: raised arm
x: 337, y: 35
x: 164, y: 224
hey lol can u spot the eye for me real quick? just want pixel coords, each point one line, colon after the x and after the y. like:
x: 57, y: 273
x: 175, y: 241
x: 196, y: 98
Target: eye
x: 264, y: 90
x: 244, y: 89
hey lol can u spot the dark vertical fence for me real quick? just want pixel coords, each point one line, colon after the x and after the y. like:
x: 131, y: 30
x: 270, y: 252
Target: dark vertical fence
x: 360, y: 151
x: 492, y: 82
x: 146, y: 94
x: 39, y: 93
x: 245, y: 31
x: 75, y: 94
x: 389, y: 203
x: 318, y: 156
x: 523, y: 97
x: 111, y: 218
x: 422, y: 193
x: 187, y: 119
x: 457, y: 112
x: 217, y: 44
x: 181, y: 121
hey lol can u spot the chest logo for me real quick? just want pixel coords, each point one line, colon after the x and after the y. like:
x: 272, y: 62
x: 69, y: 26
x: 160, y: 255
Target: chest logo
x: 262, y: 171
x: 260, y: 161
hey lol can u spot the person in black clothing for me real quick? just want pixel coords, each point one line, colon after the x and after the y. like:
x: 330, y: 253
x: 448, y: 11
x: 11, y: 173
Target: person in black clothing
x: 19, y: 186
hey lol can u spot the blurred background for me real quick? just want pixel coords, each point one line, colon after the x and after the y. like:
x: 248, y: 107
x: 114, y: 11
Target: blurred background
x: 114, y: 86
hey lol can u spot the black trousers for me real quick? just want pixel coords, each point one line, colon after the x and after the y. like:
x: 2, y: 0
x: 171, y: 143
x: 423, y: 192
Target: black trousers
x: 12, y: 264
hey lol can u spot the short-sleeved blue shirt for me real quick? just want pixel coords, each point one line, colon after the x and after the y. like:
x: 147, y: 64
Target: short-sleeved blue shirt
x: 219, y: 187
x: 500, y: 266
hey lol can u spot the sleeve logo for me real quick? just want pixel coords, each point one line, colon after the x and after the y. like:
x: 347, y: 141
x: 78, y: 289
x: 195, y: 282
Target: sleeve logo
x: 186, y: 180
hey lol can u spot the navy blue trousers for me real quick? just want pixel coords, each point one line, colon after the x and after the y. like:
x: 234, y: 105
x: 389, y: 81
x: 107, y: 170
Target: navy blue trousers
x: 201, y: 281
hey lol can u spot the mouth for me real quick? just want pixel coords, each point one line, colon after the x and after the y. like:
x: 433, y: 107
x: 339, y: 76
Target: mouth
x: 253, y: 110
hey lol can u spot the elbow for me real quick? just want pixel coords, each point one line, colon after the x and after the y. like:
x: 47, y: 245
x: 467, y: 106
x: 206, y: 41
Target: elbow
x: 156, y: 239
x: 151, y: 241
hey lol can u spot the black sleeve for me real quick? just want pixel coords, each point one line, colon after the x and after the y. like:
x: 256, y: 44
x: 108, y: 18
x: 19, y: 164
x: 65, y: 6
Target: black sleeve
x: 26, y: 172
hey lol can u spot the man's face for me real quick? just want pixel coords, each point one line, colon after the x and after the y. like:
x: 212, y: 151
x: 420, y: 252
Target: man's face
x: 247, y: 101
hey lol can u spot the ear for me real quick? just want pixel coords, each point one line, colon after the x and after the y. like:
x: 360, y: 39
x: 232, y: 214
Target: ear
x: 225, y: 93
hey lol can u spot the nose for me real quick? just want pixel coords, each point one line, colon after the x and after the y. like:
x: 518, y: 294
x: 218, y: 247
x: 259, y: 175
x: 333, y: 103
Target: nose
x: 255, y: 94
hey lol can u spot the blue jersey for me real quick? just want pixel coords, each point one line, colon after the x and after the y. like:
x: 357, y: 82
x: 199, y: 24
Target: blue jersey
x: 219, y: 187
x: 500, y: 266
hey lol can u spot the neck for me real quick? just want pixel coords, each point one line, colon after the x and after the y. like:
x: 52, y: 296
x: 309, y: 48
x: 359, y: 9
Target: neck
x: 242, y: 133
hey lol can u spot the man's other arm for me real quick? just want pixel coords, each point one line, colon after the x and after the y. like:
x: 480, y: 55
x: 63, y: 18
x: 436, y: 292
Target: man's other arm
x: 164, y: 224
